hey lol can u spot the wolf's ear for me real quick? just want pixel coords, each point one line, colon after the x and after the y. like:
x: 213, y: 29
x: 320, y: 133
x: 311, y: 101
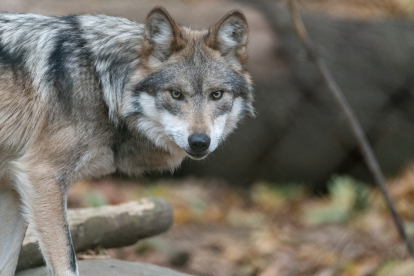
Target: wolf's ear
x: 162, y: 34
x: 229, y: 36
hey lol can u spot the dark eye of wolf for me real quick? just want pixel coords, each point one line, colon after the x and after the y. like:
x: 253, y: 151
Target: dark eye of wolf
x: 176, y: 95
x: 217, y: 95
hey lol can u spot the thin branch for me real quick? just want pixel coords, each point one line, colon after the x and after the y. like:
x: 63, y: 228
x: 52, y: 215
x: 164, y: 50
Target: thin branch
x: 351, y: 119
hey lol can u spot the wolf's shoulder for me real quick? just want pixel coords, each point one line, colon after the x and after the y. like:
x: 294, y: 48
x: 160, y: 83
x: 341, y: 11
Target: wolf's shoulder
x: 88, y: 19
x: 7, y: 17
x: 98, y: 29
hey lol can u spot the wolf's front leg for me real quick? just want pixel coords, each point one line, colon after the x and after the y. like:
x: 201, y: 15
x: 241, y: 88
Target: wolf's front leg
x: 12, y: 230
x: 44, y: 206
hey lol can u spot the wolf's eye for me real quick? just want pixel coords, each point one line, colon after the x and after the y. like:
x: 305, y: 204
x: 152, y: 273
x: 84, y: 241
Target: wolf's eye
x: 217, y: 95
x: 176, y: 95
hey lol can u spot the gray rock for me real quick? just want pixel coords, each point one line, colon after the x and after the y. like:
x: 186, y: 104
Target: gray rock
x: 111, y: 268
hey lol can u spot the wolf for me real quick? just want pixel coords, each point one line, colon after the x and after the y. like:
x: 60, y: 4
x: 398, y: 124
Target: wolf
x: 84, y: 96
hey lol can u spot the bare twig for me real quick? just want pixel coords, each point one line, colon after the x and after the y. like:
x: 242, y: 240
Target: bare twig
x: 351, y: 119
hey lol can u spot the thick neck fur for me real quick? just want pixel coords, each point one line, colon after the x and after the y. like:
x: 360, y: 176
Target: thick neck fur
x: 116, y: 46
x: 75, y: 69
x: 112, y: 43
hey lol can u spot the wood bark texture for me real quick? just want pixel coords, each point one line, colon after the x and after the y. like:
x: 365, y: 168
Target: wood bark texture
x: 107, y: 226
x: 111, y: 268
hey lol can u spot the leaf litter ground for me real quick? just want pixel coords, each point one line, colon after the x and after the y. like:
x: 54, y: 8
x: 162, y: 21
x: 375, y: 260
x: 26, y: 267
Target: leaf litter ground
x: 280, y: 230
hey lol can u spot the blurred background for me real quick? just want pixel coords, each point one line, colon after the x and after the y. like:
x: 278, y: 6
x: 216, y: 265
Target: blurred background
x: 288, y: 193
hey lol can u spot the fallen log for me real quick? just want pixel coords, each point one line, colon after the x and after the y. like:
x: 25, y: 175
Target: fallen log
x: 107, y: 227
x: 111, y: 268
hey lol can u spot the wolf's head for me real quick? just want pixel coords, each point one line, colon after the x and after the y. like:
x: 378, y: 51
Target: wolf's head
x: 191, y: 87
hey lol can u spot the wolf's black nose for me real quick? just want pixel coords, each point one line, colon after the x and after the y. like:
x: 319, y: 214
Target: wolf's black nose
x: 199, y: 142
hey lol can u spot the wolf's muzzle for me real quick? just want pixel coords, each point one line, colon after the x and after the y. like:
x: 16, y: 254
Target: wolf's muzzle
x: 199, y: 144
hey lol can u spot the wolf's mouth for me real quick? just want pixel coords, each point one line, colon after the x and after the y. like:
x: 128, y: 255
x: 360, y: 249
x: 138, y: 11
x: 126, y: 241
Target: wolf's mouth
x: 197, y: 156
